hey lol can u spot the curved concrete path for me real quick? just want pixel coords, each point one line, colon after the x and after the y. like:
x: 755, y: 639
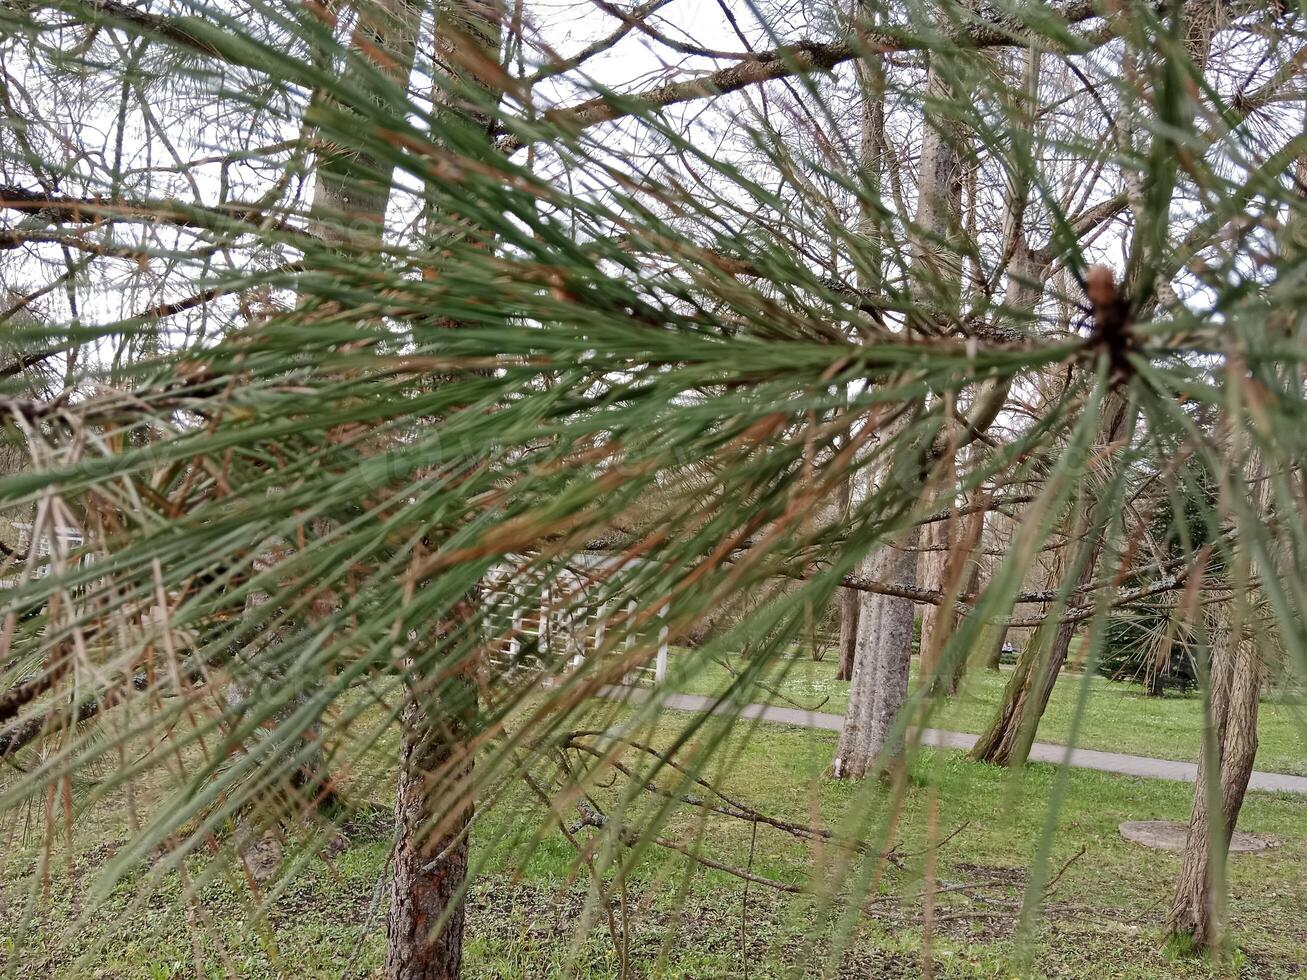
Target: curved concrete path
x: 1117, y: 762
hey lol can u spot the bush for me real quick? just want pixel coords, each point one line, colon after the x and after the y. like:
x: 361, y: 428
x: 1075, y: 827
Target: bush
x: 1137, y: 648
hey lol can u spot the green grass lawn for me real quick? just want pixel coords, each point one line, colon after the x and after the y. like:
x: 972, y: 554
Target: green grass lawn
x: 530, y: 915
x: 1118, y: 717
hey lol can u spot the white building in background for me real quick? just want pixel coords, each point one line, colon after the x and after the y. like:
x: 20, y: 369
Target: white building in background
x: 68, y: 539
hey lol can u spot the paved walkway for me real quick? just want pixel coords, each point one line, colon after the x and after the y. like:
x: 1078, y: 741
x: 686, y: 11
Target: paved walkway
x: 1126, y: 765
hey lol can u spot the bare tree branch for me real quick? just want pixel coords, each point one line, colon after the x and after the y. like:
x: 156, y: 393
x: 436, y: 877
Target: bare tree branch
x: 801, y: 58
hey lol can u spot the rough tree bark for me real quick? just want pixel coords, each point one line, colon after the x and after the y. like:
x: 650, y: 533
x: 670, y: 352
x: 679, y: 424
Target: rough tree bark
x: 434, y: 797
x: 1224, y: 767
x: 1024, y: 289
x: 433, y: 811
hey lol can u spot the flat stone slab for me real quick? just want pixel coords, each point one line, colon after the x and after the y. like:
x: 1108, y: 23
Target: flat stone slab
x: 1169, y: 835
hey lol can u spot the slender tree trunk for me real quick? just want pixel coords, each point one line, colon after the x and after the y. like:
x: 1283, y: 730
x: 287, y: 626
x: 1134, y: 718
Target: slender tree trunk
x: 955, y: 671
x: 991, y: 647
x: 434, y: 797
x: 433, y: 809
x: 1024, y: 290
x: 948, y: 565
x: 880, y: 670
x: 871, y: 128
x: 1007, y: 740
x: 884, y: 648
x: 850, y: 614
x: 937, y: 259
x: 850, y: 605
x: 352, y: 189
x: 1224, y: 768
x: 932, y: 573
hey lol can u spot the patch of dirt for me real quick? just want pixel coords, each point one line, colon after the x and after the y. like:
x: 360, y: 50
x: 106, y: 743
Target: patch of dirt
x: 1015, y: 877
x: 262, y: 857
x: 1169, y: 835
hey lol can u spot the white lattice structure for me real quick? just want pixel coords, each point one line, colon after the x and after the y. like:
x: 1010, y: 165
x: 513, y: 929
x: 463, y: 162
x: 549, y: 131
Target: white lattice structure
x: 540, y: 619
x: 45, y: 545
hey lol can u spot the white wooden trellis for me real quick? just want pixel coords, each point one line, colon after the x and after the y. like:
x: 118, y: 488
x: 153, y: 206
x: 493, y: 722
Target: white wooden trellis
x: 42, y: 546
x: 660, y: 670
x: 579, y: 627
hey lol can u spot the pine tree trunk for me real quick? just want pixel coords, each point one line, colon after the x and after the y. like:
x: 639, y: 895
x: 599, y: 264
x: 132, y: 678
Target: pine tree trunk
x: 883, y: 652
x: 434, y: 797
x: 433, y: 807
